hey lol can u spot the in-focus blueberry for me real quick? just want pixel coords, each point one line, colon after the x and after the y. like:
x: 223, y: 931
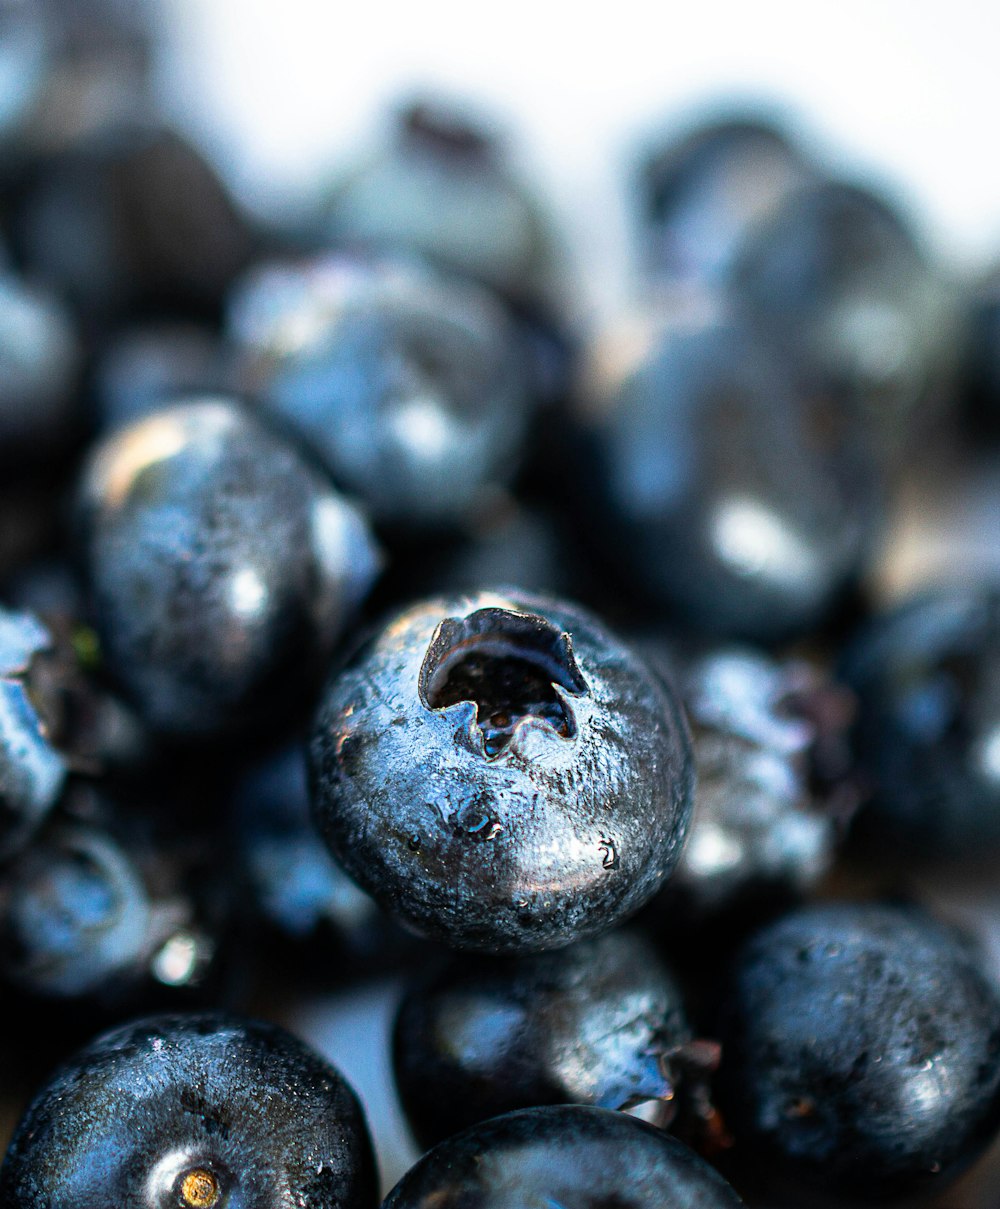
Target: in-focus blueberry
x: 501, y: 772
x: 192, y: 1112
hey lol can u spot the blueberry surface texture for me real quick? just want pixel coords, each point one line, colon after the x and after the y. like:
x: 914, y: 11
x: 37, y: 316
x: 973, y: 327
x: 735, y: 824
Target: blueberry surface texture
x: 562, y: 1157
x: 221, y: 565
x: 192, y: 1112
x: 502, y: 773
x: 861, y: 1053
x: 592, y: 1024
x: 926, y: 676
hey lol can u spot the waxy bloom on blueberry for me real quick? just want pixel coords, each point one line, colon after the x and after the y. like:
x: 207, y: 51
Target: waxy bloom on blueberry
x: 502, y: 773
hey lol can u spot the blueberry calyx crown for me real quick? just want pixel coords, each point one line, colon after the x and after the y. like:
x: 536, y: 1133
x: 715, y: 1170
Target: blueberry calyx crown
x: 198, y: 1188
x: 512, y: 667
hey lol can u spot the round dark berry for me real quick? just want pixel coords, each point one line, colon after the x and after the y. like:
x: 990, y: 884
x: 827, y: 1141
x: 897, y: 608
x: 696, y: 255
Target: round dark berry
x: 838, y: 279
x: 442, y: 188
x: 222, y: 566
x: 762, y: 731
x: 32, y: 771
x: 861, y: 1052
x: 701, y: 196
x: 710, y: 479
x: 39, y: 363
x: 592, y: 1024
x: 131, y: 216
x: 502, y: 773
x: 192, y: 1112
x: 926, y: 676
x: 406, y: 385
x: 569, y: 1156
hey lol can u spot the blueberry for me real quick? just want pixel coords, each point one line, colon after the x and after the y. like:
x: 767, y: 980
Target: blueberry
x: 501, y: 772
x: 295, y: 889
x: 861, y: 1052
x: 109, y: 907
x: 838, y: 279
x: 707, y: 477
x: 925, y: 674
x: 39, y: 366
x: 192, y: 1112
x: 768, y: 738
x: 147, y: 365
x: 980, y: 379
x: 405, y: 384
x: 703, y: 194
x: 596, y: 1023
x: 443, y: 189
x: 222, y: 567
x: 32, y: 771
x: 569, y: 1156
x: 131, y: 216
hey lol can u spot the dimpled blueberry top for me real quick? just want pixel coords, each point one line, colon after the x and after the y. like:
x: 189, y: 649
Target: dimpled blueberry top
x: 192, y: 1112
x: 502, y: 773
x: 562, y: 1157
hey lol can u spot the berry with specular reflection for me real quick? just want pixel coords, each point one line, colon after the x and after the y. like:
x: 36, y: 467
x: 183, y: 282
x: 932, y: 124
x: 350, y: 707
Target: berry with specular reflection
x: 222, y: 567
x: 501, y: 772
x: 861, y: 1052
x: 193, y: 1111
x: 407, y: 385
x: 714, y: 482
x: 926, y: 675
x: 567, y: 1155
x: 597, y: 1023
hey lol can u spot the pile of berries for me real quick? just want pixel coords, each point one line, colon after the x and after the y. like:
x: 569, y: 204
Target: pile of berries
x: 365, y: 613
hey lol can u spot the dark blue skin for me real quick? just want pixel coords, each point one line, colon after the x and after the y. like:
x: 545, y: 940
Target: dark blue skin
x: 838, y: 280
x: 597, y: 1023
x: 192, y: 1112
x: 980, y: 367
x: 861, y: 1053
x: 317, y: 916
x: 131, y: 216
x: 407, y: 385
x: 442, y: 189
x: 39, y: 368
x: 926, y: 676
x: 150, y: 364
x: 703, y: 194
x: 706, y: 483
x: 222, y: 567
x: 101, y: 912
x: 32, y: 771
x: 562, y: 1157
x: 501, y: 773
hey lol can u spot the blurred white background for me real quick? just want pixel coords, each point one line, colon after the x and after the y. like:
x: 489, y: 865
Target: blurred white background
x: 904, y: 92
